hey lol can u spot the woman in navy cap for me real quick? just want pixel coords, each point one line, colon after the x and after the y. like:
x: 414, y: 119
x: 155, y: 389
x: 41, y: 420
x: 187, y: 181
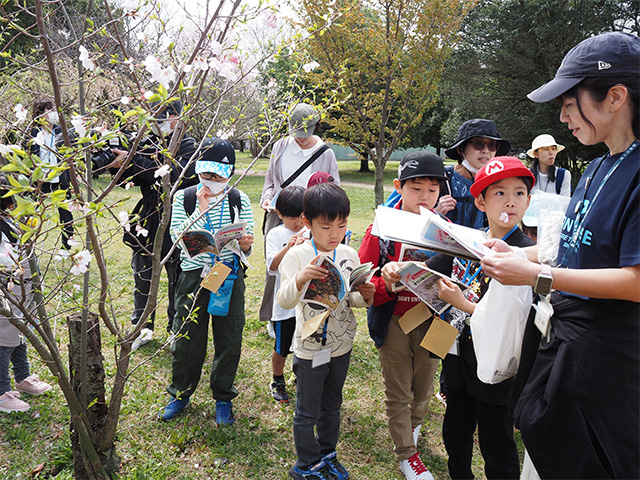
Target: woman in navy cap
x: 578, y: 412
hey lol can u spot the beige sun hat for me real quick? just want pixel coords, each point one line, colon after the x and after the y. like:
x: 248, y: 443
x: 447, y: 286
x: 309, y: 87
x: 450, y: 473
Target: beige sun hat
x: 541, y: 141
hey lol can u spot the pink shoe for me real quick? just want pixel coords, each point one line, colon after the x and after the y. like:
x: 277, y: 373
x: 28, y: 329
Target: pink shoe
x: 33, y: 386
x: 10, y: 402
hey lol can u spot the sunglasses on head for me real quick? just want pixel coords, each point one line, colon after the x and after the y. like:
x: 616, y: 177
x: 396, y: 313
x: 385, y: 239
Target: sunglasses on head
x: 480, y: 145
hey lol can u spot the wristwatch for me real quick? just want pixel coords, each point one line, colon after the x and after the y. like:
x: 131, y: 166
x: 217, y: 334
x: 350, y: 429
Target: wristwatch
x: 544, y: 281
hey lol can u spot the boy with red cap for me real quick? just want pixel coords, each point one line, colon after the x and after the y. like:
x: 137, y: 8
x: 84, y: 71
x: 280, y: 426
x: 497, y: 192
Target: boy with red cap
x: 502, y: 191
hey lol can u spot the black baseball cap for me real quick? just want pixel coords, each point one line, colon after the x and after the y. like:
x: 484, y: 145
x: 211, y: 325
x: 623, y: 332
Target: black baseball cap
x: 477, y: 127
x: 216, y: 156
x: 613, y: 54
x: 421, y: 164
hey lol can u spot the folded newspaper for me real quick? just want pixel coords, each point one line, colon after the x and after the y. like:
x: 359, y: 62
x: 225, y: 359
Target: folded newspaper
x: 429, y: 230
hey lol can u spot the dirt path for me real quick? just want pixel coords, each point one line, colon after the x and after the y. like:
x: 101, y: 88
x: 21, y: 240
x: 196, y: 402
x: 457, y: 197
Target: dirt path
x: 387, y: 188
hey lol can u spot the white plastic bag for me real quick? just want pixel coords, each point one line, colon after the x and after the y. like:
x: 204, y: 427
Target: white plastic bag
x: 551, y: 210
x: 497, y: 328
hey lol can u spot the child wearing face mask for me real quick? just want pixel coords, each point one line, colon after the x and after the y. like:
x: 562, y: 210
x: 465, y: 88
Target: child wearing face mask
x: 196, y: 306
x: 477, y: 143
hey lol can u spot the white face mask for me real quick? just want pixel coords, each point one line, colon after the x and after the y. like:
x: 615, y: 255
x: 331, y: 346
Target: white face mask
x: 53, y: 117
x: 215, y: 187
x: 166, y: 128
x: 472, y: 170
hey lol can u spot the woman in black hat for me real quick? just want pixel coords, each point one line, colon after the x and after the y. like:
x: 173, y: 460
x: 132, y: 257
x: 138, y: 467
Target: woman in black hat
x: 578, y: 412
x: 477, y: 143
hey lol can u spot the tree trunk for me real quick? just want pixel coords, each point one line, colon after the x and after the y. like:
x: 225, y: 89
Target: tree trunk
x: 95, y: 397
x: 379, y: 185
x: 364, y: 164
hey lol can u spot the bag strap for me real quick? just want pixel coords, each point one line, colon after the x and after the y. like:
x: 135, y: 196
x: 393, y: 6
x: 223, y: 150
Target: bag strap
x: 304, y: 166
x: 559, y: 179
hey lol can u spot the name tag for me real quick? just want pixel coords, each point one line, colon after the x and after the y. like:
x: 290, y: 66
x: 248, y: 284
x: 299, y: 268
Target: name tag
x: 321, y: 357
x: 544, y: 312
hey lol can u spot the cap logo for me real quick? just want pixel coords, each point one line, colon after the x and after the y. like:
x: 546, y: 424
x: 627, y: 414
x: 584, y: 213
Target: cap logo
x: 494, y: 167
x: 603, y: 65
x: 410, y: 164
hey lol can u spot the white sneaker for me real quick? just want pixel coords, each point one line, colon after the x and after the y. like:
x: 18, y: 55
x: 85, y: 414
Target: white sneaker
x: 272, y: 332
x: 416, y: 434
x: 414, y: 469
x: 145, y: 337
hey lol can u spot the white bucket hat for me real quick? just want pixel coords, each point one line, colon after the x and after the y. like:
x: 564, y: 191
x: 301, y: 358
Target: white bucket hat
x: 541, y: 141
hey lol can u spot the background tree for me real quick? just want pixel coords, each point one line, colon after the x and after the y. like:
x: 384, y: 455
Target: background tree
x: 384, y: 60
x: 511, y: 47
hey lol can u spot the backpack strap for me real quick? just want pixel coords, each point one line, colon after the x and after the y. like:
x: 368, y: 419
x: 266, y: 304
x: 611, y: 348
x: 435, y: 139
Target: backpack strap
x: 559, y: 179
x: 235, y: 201
x: 387, y: 249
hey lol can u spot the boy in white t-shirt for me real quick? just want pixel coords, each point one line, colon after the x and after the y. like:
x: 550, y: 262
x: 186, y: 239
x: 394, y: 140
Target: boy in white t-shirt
x: 278, y: 242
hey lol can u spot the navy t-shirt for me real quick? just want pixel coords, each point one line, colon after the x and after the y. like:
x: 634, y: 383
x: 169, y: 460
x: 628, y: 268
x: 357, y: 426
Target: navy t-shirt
x: 611, y: 231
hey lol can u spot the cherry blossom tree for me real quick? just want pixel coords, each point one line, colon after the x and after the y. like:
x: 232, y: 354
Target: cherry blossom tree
x: 89, y: 71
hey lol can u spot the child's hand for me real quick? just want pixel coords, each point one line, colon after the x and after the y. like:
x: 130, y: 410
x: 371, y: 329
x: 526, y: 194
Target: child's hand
x: 310, y: 272
x: 446, y: 204
x: 367, y: 290
x: 203, y: 195
x: 296, y: 239
x: 390, y: 275
x: 245, y: 242
x: 451, y: 293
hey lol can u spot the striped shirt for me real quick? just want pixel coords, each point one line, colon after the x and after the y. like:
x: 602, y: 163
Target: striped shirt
x: 218, y: 217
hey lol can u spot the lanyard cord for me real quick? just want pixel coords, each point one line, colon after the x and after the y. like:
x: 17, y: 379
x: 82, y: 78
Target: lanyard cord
x: 582, y: 210
x: 313, y: 244
x: 209, y: 226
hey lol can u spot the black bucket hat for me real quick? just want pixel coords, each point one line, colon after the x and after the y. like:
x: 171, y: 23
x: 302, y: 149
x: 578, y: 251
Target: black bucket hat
x: 478, y: 127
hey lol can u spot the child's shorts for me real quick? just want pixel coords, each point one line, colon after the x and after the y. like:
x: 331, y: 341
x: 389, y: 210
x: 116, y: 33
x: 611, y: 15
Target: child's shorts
x: 284, y: 330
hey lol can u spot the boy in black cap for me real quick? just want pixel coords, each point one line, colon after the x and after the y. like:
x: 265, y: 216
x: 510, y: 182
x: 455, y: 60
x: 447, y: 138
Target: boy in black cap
x: 407, y: 368
x: 209, y: 205
x: 477, y: 143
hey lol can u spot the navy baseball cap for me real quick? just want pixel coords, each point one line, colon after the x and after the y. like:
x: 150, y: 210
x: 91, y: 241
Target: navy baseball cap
x: 613, y: 54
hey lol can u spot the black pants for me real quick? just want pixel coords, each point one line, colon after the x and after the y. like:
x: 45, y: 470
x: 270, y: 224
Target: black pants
x: 495, y: 431
x: 141, y: 265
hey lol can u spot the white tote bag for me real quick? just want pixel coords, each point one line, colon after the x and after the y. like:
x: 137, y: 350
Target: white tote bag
x: 497, y: 328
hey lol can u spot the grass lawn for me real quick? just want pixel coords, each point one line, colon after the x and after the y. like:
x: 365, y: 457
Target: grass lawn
x: 260, y: 445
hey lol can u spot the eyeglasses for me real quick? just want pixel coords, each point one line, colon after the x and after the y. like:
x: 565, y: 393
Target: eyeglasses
x: 211, y: 176
x: 480, y: 145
